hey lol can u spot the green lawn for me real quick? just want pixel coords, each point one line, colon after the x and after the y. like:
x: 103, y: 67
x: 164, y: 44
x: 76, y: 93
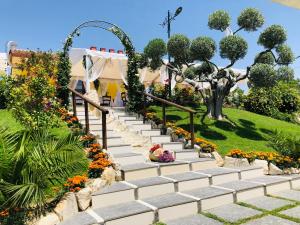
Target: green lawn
x: 8, y: 121
x: 247, y: 131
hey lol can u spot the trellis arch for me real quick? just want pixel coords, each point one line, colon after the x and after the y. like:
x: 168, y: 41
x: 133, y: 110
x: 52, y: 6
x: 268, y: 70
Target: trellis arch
x: 134, y: 87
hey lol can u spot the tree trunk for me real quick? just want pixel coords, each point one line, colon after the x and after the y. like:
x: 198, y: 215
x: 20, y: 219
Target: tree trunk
x: 214, y: 107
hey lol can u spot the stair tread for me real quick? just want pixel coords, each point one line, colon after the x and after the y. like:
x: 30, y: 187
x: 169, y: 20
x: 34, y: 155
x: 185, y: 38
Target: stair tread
x: 115, y: 187
x: 150, y: 181
x: 240, y: 185
x: 80, y: 218
x: 194, y: 220
x: 163, y: 164
x: 122, y: 210
x: 266, y: 180
x: 138, y: 166
x: 217, y: 171
x: 207, y: 192
x: 168, y: 200
x: 191, y: 160
x: 186, y: 176
x: 126, y: 154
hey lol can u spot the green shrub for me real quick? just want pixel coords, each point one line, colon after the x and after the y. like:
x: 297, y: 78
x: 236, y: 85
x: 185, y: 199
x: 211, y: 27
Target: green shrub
x: 3, y: 91
x: 235, y: 98
x: 186, y: 95
x: 286, y: 145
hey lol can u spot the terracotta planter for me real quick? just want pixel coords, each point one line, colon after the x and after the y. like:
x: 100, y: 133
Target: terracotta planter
x: 94, y: 48
x: 120, y: 52
x: 111, y: 50
x: 103, y: 49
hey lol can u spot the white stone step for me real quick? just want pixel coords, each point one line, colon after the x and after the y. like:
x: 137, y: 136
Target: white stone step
x: 129, y: 158
x: 189, y: 180
x: 244, y: 190
x: 91, y: 117
x: 124, y: 148
x: 116, y: 193
x: 113, y: 141
x: 123, y: 118
x: 251, y: 172
x: 139, y: 171
x: 173, y: 206
x: 117, y: 114
x: 221, y: 175
x: 160, y: 139
x: 110, y: 133
x: 152, y: 186
x: 172, y: 146
x: 131, y: 122
x: 129, y: 213
x: 211, y: 197
x: 200, y: 163
x: 186, y: 154
x: 172, y: 167
x: 272, y: 184
x: 148, y: 133
x: 139, y: 127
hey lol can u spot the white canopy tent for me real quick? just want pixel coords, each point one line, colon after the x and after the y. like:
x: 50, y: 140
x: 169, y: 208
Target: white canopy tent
x: 290, y: 3
x: 111, y: 70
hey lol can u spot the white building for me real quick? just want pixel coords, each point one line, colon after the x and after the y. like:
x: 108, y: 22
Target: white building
x: 3, y: 62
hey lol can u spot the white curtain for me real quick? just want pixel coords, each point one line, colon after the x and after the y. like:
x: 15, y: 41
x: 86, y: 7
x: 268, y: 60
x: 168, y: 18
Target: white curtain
x: 123, y: 71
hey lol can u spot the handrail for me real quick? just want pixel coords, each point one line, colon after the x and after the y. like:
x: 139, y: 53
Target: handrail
x: 166, y: 102
x: 170, y: 103
x: 86, y: 114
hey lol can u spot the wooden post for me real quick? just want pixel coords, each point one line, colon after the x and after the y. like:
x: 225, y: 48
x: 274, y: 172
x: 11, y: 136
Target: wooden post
x: 74, y: 104
x: 164, y: 114
x: 192, y: 130
x: 144, y: 108
x: 86, y: 114
x: 104, y: 131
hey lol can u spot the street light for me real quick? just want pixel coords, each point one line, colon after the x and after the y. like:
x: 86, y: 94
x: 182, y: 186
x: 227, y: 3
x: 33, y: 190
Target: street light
x: 167, y: 22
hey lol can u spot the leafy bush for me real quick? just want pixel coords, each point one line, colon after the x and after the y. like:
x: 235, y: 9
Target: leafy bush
x: 32, y: 95
x: 3, y: 92
x: 186, y: 95
x: 235, y: 98
x: 32, y: 162
x: 286, y: 145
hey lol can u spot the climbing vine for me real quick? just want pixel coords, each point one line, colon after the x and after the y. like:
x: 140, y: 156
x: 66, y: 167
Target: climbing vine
x: 134, y: 87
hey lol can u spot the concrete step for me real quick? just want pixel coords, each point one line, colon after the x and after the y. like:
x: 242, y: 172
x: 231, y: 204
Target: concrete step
x: 189, y: 180
x: 129, y: 158
x: 116, y: 193
x: 221, y: 175
x: 186, y: 154
x: 124, y: 148
x: 129, y: 213
x: 250, y: 172
x: 148, y: 133
x: 200, y: 163
x: 131, y: 122
x: 172, y: 146
x: 160, y: 139
x: 244, y: 190
x: 172, y: 167
x: 272, y: 184
x: 139, y: 171
x: 194, y: 220
x: 152, y: 186
x: 91, y: 117
x: 123, y: 118
x: 210, y: 197
x: 110, y: 134
x: 172, y: 206
x: 113, y: 141
x: 92, y: 121
x: 117, y: 114
x: 139, y: 127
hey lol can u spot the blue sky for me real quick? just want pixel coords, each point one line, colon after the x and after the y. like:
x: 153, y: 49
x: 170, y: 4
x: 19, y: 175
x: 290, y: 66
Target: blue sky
x: 45, y: 24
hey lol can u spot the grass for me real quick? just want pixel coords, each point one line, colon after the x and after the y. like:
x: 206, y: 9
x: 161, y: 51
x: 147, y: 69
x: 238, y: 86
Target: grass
x: 7, y: 120
x: 244, y: 130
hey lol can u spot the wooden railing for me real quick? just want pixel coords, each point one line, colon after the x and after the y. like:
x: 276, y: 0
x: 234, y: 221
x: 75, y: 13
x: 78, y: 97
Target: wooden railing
x: 164, y: 102
x: 86, y: 114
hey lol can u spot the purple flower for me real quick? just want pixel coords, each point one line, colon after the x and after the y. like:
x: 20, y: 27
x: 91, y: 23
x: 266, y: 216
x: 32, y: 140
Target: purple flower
x: 166, y: 157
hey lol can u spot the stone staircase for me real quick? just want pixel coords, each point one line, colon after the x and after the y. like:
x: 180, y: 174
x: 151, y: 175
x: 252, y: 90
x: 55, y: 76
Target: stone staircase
x: 176, y: 192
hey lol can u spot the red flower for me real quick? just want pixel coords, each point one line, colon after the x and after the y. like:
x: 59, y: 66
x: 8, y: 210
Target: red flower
x: 154, y: 147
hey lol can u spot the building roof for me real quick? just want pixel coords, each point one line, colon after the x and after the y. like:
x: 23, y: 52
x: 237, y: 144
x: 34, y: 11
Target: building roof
x: 290, y: 3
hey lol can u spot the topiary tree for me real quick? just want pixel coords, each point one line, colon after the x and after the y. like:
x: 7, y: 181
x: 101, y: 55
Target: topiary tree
x: 233, y: 48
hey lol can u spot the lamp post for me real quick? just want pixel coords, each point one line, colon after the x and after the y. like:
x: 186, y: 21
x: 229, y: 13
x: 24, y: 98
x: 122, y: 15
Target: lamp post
x: 167, y: 22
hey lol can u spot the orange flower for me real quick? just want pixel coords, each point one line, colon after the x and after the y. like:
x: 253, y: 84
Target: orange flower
x: 4, y: 213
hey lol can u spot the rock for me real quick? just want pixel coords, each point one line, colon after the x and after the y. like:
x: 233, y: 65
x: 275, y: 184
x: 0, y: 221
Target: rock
x: 197, y: 147
x: 273, y: 170
x: 67, y: 207
x: 169, y: 131
x: 84, y: 198
x: 218, y: 158
x: 96, y: 184
x: 287, y: 171
x: 109, y: 175
x: 235, y: 162
x: 295, y: 170
x: 48, y: 219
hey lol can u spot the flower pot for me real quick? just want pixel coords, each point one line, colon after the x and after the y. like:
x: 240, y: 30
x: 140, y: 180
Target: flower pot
x: 94, y: 48
x: 120, y: 52
x: 111, y: 50
x: 103, y: 49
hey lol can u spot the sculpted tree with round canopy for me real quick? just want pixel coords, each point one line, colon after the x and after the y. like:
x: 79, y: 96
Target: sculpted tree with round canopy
x: 193, y: 59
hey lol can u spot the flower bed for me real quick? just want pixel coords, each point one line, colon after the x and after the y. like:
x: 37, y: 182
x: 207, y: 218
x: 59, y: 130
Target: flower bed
x: 205, y: 146
x: 76, y: 183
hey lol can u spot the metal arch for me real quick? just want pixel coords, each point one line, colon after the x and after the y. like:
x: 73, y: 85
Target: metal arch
x: 117, y: 31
